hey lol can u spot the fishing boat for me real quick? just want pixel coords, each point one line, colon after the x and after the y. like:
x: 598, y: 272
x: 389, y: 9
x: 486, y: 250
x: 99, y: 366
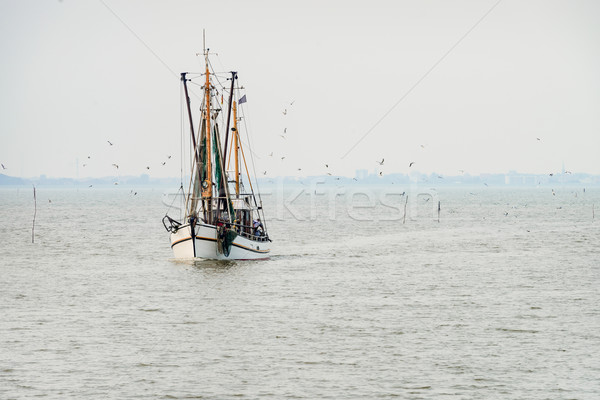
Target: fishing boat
x: 221, y: 215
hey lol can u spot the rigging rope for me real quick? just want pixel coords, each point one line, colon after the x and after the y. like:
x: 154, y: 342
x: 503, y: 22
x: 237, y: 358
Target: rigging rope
x: 254, y: 170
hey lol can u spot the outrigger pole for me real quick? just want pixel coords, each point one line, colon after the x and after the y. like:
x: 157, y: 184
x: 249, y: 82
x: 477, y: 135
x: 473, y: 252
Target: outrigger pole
x: 233, y: 76
x: 189, y: 110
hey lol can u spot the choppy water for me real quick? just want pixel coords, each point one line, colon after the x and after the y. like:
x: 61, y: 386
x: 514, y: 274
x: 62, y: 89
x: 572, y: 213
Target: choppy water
x: 352, y: 304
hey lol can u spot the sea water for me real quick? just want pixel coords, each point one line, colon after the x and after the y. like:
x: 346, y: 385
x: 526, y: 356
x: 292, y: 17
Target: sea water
x: 367, y: 294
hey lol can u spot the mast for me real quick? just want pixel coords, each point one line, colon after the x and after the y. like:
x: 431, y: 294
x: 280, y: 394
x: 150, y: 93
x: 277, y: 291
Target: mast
x: 207, y: 188
x: 236, y: 145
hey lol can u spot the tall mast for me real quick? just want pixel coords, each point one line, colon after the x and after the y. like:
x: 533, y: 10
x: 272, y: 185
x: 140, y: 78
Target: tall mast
x: 207, y: 189
x: 237, y: 150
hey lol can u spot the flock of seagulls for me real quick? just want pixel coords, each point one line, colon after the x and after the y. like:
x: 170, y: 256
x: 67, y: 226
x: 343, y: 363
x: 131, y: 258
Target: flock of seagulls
x: 115, y: 165
x: 382, y: 162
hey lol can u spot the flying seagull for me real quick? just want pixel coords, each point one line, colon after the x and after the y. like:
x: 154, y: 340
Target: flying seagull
x: 264, y: 173
x: 411, y: 164
x: 285, y: 112
x: 147, y: 167
x: 284, y: 130
x: 116, y: 166
x: 3, y: 167
x: 164, y: 163
x: 109, y: 142
x: 271, y: 155
x: 380, y: 162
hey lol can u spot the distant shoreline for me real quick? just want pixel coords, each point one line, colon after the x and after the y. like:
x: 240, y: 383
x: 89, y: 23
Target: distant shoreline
x: 511, y: 179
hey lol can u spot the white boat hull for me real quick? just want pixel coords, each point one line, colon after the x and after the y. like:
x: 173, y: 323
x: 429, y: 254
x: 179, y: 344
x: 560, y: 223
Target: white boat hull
x: 204, y: 245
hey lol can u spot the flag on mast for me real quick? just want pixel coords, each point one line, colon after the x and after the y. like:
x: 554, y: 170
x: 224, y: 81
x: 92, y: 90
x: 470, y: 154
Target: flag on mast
x: 242, y: 99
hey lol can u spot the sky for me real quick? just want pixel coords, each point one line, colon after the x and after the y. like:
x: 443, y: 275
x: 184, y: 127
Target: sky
x: 453, y: 86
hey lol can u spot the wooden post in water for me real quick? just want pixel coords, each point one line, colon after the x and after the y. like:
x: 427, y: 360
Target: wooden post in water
x: 404, y: 217
x: 439, y: 208
x: 34, y: 214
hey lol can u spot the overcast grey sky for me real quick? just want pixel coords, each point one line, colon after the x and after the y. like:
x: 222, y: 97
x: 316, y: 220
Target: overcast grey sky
x: 73, y: 76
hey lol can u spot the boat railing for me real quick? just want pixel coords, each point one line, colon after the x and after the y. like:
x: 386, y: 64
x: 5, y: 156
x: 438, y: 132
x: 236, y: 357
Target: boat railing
x: 246, y: 231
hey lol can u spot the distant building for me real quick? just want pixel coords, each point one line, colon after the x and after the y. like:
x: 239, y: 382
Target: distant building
x: 361, y: 174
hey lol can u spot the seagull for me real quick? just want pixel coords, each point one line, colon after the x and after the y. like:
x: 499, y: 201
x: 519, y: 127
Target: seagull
x: 282, y: 158
x: 292, y: 103
x: 380, y: 162
x: 147, y: 167
x: 84, y: 165
x: 285, y: 112
x: 552, y: 174
x: 355, y: 179
x: 168, y: 157
x: 116, y: 183
x: 49, y: 201
x: 264, y: 173
x: 89, y: 157
x: 380, y: 173
x: 329, y: 173
x: 3, y: 167
x: 567, y: 172
x: 271, y: 155
x: 411, y: 164
x: 538, y: 139
x: 282, y: 136
x: 116, y: 166
x: 553, y: 194
x: 90, y: 186
x: 326, y: 165
x: 109, y: 142
x: 299, y: 169
x: 284, y: 130
x: 135, y: 193
x: 164, y: 163
x: 422, y: 146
